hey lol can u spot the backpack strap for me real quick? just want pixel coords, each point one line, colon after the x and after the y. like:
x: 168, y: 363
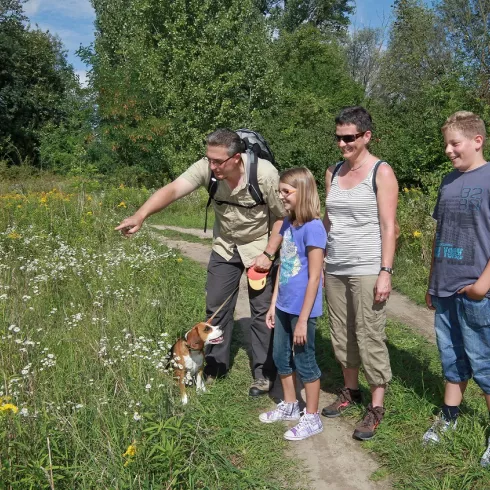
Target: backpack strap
x: 375, y: 171
x: 253, y: 182
x: 212, y: 187
x: 336, y: 170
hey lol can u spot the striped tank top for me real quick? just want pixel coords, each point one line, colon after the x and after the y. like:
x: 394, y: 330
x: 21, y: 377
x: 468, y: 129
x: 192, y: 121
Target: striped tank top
x: 354, y: 240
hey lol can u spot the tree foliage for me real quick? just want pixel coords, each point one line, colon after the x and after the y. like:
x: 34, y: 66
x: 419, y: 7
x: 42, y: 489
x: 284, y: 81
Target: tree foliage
x: 34, y: 81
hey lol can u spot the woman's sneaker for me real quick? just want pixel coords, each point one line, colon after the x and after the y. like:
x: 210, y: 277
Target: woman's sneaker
x: 485, y: 459
x: 309, y: 425
x: 346, y: 399
x: 283, y: 411
x: 366, y: 428
x: 441, y: 425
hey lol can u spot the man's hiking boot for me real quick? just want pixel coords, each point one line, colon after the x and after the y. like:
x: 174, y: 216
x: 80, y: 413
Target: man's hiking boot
x: 345, y: 399
x: 485, y: 459
x: 309, y: 425
x: 260, y: 386
x: 283, y: 411
x: 441, y: 425
x: 366, y: 428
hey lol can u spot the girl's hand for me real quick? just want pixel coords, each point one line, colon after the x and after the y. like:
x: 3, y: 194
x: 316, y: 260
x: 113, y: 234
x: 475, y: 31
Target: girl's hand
x: 270, y: 319
x: 299, y: 337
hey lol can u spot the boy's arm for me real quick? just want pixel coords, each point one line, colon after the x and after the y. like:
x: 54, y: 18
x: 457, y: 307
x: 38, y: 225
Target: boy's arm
x: 428, y: 298
x: 480, y: 288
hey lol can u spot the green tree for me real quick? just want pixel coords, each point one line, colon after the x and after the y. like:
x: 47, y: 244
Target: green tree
x: 168, y: 72
x: 34, y: 80
x: 315, y: 84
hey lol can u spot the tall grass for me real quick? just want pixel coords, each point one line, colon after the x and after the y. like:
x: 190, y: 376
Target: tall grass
x: 87, y: 317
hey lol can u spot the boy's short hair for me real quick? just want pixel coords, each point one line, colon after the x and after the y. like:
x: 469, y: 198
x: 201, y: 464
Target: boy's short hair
x: 467, y: 123
x: 356, y: 115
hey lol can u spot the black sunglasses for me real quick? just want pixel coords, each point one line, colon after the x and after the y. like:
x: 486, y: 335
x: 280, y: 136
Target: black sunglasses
x: 349, y: 138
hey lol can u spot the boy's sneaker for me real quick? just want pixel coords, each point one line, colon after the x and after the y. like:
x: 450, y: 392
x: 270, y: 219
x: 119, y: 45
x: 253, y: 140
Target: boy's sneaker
x: 346, y: 399
x: 485, y: 459
x: 441, y: 425
x: 309, y: 424
x: 366, y: 428
x: 283, y: 411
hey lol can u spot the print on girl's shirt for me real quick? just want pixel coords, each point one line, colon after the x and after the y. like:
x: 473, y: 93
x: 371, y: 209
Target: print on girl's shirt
x: 290, y: 261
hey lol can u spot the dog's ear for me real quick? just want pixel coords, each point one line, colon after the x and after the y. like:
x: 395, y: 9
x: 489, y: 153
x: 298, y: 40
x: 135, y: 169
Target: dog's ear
x: 194, y: 339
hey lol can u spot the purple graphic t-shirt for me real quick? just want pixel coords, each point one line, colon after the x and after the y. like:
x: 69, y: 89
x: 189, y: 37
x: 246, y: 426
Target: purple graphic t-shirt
x: 293, y: 278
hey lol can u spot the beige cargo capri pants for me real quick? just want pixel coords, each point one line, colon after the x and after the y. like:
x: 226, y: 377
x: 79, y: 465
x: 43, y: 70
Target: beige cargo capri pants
x: 357, y: 326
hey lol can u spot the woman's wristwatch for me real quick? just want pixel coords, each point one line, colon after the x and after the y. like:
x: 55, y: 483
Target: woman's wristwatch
x: 389, y: 270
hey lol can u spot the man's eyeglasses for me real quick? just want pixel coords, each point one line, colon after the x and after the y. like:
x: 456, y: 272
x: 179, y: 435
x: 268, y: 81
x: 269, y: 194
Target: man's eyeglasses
x: 286, y: 192
x: 348, y: 138
x: 217, y: 163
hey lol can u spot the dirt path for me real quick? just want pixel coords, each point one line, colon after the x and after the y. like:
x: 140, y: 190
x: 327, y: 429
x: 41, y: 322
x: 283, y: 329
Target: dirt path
x: 333, y: 460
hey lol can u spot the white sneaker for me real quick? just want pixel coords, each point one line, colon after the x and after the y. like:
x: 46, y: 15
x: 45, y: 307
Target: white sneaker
x: 309, y: 425
x: 283, y: 411
x: 485, y: 459
x: 441, y: 425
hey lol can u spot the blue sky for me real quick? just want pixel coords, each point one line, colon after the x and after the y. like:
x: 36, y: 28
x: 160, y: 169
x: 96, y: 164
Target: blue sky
x: 72, y: 21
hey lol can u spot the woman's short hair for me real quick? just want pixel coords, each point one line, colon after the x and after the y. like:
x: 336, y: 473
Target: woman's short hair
x: 227, y: 138
x: 467, y: 123
x: 356, y: 115
x: 307, y: 200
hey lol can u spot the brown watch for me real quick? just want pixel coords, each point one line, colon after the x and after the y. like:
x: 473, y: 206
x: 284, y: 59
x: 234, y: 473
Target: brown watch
x: 389, y: 270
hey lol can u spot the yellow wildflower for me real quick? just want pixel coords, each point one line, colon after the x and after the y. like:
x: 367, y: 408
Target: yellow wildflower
x: 89, y: 213
x: 19, y: 205
x: 89, y: 198
x: 180, y: 259
x: 122, y: 204
x: 417, y: 234
x: 406, y: 189
x: 131, y: 451
x: 43, y: 200
x: 13, y: 235
x: 8, y: 406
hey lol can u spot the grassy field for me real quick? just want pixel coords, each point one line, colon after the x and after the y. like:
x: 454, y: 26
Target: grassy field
x: 86, y: 400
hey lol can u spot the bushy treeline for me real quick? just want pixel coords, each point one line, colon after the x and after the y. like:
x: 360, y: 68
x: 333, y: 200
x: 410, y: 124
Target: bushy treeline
x: 164, y: 73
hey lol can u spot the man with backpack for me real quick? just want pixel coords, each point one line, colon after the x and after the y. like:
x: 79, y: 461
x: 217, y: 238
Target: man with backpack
x: 243, y: 188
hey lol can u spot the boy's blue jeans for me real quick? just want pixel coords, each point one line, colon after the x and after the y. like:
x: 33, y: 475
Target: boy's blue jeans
x: 463, y: 338
x: 303, y: 361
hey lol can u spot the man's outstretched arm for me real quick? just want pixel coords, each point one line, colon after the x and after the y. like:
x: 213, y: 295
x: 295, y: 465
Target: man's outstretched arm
x: 168, y: 194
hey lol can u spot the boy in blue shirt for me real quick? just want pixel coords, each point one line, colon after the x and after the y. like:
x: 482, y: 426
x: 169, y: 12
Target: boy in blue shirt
x: 459, y: 281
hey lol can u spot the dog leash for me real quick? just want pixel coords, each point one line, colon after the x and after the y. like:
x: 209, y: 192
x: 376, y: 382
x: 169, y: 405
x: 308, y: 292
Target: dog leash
x: 223, y: 304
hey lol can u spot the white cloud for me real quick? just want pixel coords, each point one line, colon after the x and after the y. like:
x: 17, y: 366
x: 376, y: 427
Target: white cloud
x: 75, y: 9
x: 82, y: 77
x: 31, y: 7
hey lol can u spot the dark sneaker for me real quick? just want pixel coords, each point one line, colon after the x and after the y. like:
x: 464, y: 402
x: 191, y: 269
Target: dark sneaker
x: 366, y: 428
x: 346, y: 399
x: 260, y: 386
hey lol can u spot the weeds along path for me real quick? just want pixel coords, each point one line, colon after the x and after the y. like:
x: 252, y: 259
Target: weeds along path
x: 333, y: 460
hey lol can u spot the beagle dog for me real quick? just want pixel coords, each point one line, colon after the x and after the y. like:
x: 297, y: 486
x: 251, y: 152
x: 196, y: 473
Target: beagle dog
x: 187, y: 355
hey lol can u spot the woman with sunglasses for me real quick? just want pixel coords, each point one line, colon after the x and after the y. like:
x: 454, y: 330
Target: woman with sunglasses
x: 362, y: 194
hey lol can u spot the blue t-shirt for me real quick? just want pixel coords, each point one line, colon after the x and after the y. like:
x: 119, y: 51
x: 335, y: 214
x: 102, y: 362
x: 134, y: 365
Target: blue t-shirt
x: 293, y: 278
x: 462, y: 248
